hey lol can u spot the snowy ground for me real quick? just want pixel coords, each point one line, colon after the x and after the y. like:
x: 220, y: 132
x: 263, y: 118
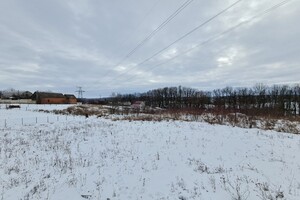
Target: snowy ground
x: 98, y: 158
x: 28, y: 115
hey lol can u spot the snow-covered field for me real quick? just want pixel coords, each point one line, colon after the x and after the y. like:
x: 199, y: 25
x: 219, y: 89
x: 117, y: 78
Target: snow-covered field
x: 94, y: 158
x: 28, y: 115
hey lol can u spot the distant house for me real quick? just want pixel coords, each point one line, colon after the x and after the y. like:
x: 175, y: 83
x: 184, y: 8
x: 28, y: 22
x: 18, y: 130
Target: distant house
x: 70, y: 99
x: 25, y: 95
x: 53, y: 98
x: 138, y: 105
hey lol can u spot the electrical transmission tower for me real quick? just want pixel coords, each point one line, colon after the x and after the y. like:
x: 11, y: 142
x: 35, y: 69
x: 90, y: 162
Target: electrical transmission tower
x: 80, y: 92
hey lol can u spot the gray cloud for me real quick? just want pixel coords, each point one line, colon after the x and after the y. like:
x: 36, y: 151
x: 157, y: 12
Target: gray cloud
x: 58, y: 45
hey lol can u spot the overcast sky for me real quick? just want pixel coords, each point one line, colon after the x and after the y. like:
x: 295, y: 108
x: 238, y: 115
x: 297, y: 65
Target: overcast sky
x: 56, y: 45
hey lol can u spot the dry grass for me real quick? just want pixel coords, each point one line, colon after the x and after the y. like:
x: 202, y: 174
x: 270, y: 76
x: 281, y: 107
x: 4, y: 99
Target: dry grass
x: 289, y: 124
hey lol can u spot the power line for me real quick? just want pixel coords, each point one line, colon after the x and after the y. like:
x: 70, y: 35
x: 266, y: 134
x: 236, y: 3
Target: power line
x: 137, y: 28
x: 190, y: 32
x: 182, y: 37
x: 160, y: 27
x: 218, y: 36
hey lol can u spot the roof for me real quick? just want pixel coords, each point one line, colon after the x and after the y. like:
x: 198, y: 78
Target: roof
x: 47, y: 95
x: 70, y: 96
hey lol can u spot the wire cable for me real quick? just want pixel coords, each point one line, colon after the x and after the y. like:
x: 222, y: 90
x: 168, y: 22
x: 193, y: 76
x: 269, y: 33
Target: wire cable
x: 218, y: 36
x: 152, y: 34
x: 180, y: 38
x: 162, y: 25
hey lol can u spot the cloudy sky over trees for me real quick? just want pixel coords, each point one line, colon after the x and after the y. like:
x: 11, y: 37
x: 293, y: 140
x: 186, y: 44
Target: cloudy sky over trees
x: 125, y: 46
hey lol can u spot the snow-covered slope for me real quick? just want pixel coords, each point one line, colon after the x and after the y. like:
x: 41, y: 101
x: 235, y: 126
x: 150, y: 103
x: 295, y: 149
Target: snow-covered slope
x: 96, y: 158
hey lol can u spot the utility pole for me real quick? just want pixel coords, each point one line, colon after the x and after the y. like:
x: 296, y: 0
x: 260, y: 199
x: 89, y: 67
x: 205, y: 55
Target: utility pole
x: 80, y: 92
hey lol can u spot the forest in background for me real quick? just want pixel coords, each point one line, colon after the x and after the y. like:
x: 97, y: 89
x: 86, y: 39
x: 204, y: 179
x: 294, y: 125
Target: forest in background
x: 259, y: 100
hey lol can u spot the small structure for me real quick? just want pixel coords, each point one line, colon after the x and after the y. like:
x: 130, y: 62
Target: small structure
x: 138, y: 105
x: 70, y: 99
x: 48, y: 98
x: 53, y: 98
x: 10, y: 106
x: 25, y: 95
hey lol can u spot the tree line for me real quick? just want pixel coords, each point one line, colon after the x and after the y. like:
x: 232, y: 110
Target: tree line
x: 281, y: 100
